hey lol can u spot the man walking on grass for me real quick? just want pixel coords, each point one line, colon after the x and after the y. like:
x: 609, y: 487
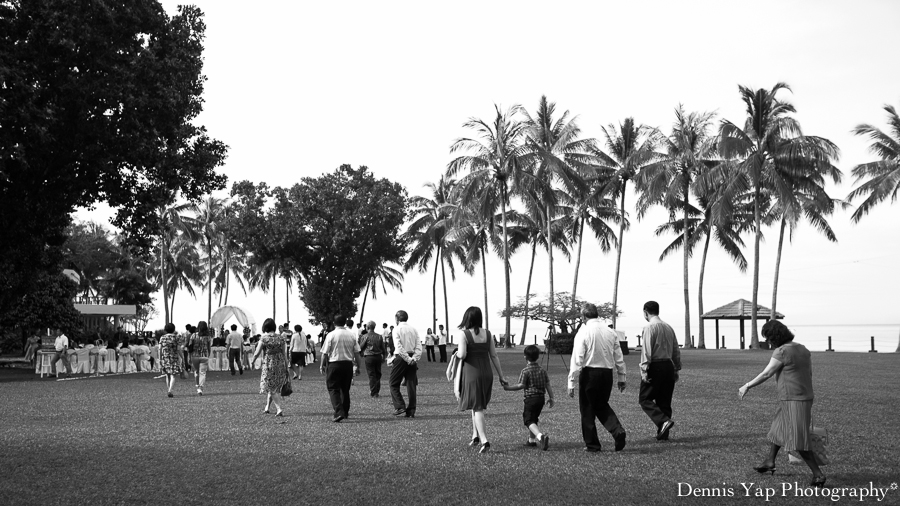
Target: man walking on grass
x: 341, y: 360
x: 660, y: 363
x: 374, y: 352
x: 407, y: 352
x: 595, y: 352
x: 61, y: 345
x: 235, y: 343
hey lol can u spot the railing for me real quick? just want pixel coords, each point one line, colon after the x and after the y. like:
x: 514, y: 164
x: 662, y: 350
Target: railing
x: 92, y: 299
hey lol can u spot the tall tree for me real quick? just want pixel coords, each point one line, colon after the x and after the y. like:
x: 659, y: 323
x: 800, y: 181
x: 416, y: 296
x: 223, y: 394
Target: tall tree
x: 689, y: 152
x: 174, y: 224
x: 494, y: 167
x: 884, y: 174
x: 556, y: 154
x: 770, y: 146
x: 208, y: 217
x: 629, y: 149
x: 99, y: 102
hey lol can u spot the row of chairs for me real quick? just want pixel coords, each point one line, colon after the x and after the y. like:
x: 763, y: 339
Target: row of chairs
x: 106, y: 361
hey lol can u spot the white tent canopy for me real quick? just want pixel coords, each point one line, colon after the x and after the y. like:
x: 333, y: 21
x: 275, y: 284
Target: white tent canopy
x: 225, y: 312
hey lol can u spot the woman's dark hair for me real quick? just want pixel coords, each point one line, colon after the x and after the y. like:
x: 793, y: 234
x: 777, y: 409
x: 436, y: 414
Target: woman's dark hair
x: 169, y: 328
x: 777, y: 333
x: 202, y: 329
x: 269, y: 325
x: 471, y: 319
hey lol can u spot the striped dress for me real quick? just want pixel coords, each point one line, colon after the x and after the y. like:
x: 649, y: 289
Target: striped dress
x: 793, y: 416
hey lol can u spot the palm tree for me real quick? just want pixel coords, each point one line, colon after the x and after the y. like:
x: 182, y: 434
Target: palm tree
x: 689, y: 153
x: 770, y: 146
x: 630, y: 148
x: 427, y: 233
x: 173, y: 221
x: 473, y: 234
x: 183, y: 270
x: 555, y: 153
x: 807, y: 200
x: 529, y: 228
x: 495, y: 169
x: 208, y: 220
x: 260, y: 275
x: 388, y: 276
x: 884, y: 174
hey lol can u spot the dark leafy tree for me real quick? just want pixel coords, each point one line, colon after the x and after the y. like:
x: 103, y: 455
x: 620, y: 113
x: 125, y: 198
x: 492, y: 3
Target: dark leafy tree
x: 563, y: 316
x: 99, y: 102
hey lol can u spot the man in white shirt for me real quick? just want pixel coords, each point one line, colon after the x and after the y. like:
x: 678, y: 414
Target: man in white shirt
x: 595, y: 352
x: 442, y: 343
x: 234, y: 343
x: 62, y: 351
x: 341, y: 359
x: 407, y: 352
x: 298, y: 352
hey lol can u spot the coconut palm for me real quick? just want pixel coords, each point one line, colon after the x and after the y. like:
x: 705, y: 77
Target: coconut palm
x: 629, y: 148
x: 556, y: 154
x: 770, y: 146
x: 427, y: 235
x: 529, y: 228
x: 689, y: 152
x: 208, y: 218
x: 494, y: 166
x: 184, y: 270
x: 808, y: 200
x: 173, y: 221
x: 883, y: 175
x: 387, y: 276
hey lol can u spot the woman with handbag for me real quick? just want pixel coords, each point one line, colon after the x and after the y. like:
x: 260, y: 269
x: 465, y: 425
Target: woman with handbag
x: 791, y: 365
x: 475, y: 378
x: 274, y: 365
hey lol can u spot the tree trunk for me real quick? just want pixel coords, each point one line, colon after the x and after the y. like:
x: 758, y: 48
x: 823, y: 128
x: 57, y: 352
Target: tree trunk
x: 362, y: 312
x: 227, y: 283
x: 701, y: 342
x: 615, y: 300
x: 777, y: 268
x: 550, y: 254
x: 209, y: 280
x: 287, y: 300
x: 528, y: 291
x: 446, y: 310
x: 484, y: 273
x: 687, y: 298
x: 162, y: 277
x: 274, y: 283
x: 172, y: 311
x: 505, y: 258
x: 577, y: 263
x: 225, y: 272
x: 434, y: 291
x: 754, y: 337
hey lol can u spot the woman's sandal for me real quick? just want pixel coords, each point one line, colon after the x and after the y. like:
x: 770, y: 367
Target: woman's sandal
x: 475, y: 441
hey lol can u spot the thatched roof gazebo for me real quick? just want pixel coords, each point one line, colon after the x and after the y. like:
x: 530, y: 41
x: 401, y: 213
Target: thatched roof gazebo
x: 737, y: 310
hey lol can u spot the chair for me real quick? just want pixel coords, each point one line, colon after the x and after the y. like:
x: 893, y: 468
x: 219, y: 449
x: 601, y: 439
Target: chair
x: 47, y: 363
x: 217, y: 359
x: 141, y: 360
x: 125, y: 363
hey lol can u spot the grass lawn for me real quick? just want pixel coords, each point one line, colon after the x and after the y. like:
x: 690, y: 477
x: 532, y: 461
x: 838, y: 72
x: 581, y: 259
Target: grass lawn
x: 120, y: 440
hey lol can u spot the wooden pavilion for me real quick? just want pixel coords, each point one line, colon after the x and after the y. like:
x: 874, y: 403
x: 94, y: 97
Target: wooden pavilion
x: 737, y: 310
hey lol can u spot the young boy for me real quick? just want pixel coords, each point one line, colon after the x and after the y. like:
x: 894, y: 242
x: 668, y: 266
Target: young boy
x: 535, y: 382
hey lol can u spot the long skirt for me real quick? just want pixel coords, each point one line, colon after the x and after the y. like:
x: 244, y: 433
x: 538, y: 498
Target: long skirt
x: 790, y: 428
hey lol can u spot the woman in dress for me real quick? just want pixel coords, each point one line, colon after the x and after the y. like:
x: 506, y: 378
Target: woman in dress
x: 199, y: 347
x: 274, y: 365
x: 430, y: 338
x: 791, y: 365
x: 476, y: 379
x: 170, y: 356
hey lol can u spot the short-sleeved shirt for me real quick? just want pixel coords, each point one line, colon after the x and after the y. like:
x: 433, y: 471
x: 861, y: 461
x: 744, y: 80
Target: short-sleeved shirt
x: 535, y: 380
x: 340, y: 345
x: 794, y: 379
x: 372, y: 344
x: 201, y: 345
x: 298, y: 343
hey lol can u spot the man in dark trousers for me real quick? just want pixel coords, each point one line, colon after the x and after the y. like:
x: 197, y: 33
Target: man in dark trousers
x: 660, y: 363
x: 407, y: 352
x: 374, y: 353
x: 341, y: 360
x: 595, y: 353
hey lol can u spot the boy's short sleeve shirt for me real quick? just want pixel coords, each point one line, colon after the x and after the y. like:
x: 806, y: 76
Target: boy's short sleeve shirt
x: 535, y: 380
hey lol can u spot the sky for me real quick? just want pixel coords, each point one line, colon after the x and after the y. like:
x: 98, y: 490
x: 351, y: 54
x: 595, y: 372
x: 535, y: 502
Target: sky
x: 296, y: 89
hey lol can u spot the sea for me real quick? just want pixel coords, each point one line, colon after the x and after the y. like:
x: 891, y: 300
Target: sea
x: 844, y: 337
